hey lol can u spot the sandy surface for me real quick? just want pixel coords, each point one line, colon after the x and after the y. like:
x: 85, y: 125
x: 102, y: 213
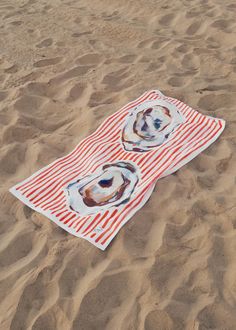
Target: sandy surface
x: 64, y: 67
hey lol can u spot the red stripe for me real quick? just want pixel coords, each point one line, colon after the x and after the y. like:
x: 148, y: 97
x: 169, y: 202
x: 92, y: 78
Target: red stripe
x: 55, y: 205
x: 55, y: 201
x: 81, y: 226
x: 76, y: 219
x: 94, y: 220
x: 67, y: 220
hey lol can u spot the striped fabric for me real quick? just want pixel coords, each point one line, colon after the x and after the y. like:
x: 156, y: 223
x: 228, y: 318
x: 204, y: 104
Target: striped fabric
x: 68, y: 191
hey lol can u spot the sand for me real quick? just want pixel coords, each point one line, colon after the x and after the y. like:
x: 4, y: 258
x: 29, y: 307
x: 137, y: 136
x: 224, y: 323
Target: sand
x: 64, y: 67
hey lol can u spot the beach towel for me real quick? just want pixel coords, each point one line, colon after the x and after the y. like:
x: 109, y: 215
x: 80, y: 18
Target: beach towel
x: 95, y: 189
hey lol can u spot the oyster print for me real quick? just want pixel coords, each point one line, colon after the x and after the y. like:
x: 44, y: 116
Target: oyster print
x: 150, y: 125
x: 111, y: 186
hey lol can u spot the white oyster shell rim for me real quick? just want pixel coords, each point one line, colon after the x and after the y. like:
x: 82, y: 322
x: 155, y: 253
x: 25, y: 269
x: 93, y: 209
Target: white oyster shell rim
x: 145, y: 145
x: 75, y: 200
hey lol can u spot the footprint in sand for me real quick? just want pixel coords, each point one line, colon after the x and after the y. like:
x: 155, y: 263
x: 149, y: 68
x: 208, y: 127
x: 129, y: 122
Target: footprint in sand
x: 76, y: 92
x: 158, y: 319
x: 176, y: 81
x: 46, y: 321
x: 183, y: 48
x: 47, y: 62
x: 89, y: 59
x: 201, y: 164
x: 12, y: 158
x: 223, y: 164
x: 34, y: 108
x: 18, y: 132
x: 110, y: 292
x: 193, y: 13
x: 154, y: 66
x: 199, y: 209
x: 207, y: 181
x: 35, y: 295
x: 18, y: 248
x: 72, y: 275
x: 137, y: 236
x: 3, y: 95
x: 72, y: 73
x: 45, y: 43
x: 7, y: 223
x: 190, y: 62
x: 11, y: 69
x: 46, y: 9
x: 213, y: 102
x: 16, y: 23
x: 212, y: 43
x: 108, y: 17
x: 193, y: 28
x: 27, y: 211
x: 166, y: 19
x: 222, y: 24
x: 29, y: 104
x: 44, y: 90
x: 130, y: 58
x: 14, y: 13
x: 3, y: 7
x: 79, y: 34
x: 99, y: 98
x: 114, y: 81
x: 159, y: 43
x: 37, y: 88
x: 145, y: 43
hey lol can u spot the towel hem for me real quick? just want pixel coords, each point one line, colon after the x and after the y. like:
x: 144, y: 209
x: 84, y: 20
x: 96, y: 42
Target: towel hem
x: 70, y: 230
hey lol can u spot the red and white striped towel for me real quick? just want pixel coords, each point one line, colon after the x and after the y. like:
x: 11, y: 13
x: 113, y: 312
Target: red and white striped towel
x: 94, y: 190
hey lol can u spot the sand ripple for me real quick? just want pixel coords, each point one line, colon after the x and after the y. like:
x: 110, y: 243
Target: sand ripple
x: 64, y: 67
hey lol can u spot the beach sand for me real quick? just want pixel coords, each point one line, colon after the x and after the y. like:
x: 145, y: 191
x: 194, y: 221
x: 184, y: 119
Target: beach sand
x: 64, y: 67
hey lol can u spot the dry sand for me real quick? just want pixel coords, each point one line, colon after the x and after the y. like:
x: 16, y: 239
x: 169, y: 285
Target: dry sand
x: 67, y: 65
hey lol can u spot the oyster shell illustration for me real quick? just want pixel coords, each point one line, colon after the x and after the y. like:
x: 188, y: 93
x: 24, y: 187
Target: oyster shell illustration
x: 150, y: 125
x: 112, y: 185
